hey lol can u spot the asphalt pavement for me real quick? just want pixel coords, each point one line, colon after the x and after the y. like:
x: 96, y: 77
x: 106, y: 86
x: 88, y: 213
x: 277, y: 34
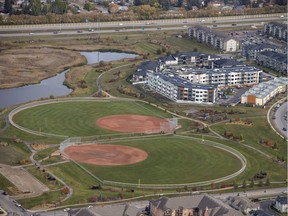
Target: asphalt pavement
x: 280, y: 120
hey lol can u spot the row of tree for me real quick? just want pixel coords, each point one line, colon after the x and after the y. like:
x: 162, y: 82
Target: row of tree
x: 56, y: 14
x: 35, y: 8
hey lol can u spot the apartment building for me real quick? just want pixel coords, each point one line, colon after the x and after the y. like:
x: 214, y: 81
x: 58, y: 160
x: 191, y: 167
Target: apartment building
x: 213, y: 38
x: 251, y: 51
x: 178, y: 89
x: 262, y: 93
x: 277, y: 30
x: 274, y: 60
x: 243, y: 75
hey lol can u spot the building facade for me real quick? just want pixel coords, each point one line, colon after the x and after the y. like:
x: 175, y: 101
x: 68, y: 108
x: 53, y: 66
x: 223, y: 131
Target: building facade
x: 213, y: 38
x: 180, y: 90
x: 273, y: 60
x: 222, y: 76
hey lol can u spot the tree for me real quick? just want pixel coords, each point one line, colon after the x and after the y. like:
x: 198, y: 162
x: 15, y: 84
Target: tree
x: 260, y: 183
x: 59, y: 7
x: 35, y: 6
x: 244, y: 184
x: 267, y: 183
x: 8, y: 6
x: 251, y: 183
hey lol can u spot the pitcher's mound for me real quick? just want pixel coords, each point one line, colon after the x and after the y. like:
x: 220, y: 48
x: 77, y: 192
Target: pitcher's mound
x: 134, y: 123
x: 105, y: 154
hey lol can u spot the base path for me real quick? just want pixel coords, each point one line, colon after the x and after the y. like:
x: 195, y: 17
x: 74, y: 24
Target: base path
x: 134, y: 124
x: 105, y: 154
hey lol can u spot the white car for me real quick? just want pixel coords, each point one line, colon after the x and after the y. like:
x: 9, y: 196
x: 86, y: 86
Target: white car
x: 120, y: 24
x: 202, y: 20
x: 66, y: 209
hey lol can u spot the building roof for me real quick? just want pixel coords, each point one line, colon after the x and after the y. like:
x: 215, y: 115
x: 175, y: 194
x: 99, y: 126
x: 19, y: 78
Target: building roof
x: 261, y: 46
x: 246, y: 69
x: 241, y: 203
x: 282, y: 200
x: 279, y: 24
x: 228, y: 62
x: 263, y: 89
x: 202, y: 202
x: 275, y: 55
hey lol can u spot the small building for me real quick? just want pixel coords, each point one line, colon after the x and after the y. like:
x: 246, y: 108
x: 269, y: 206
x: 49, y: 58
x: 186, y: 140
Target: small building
x: 213, y: 38
x: 281, y: 204
x: 262, y: 93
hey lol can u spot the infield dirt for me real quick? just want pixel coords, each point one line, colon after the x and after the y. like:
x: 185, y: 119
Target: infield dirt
x: 105, y: 154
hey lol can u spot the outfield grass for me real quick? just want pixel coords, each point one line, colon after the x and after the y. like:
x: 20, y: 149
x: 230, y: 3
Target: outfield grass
x: 79, y: 118
x: 171, y: 160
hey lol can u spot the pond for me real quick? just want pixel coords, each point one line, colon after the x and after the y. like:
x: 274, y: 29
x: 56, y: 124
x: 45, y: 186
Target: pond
x: 53, y: 86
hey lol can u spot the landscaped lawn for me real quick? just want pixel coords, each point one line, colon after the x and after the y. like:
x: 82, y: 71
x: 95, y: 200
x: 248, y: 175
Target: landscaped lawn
x: 254, y: 133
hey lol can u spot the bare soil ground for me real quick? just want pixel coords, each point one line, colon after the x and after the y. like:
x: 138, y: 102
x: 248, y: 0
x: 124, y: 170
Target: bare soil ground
x: 105, y: 154
x: 27, y: 184
x: 31, y: 65
x: 134, y: 123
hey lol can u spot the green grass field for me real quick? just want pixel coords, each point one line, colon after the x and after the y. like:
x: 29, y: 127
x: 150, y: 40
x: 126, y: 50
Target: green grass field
x: 79, y: 118
x: 171, y: 160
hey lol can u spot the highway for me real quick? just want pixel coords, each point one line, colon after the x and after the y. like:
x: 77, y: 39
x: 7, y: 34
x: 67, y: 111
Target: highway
x: 125, y: 26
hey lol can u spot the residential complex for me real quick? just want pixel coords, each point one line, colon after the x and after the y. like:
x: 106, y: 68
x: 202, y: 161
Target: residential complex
x: 274, y: 60
x: 262, y: 93
x: 194, y: 77
x: 203, y: 204
x: 277, y: 30
x: 213, y: 38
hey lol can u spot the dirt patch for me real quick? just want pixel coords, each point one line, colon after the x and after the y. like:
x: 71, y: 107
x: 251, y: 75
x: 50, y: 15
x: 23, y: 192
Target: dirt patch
x: 134, y: 124
x: 31, y: 65
x: 105, y: 154
x: 38, y: 147
x: 27, y: 184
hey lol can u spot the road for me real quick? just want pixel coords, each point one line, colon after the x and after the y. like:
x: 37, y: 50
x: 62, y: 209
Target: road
x: 280, y: 119
x: 9, y: 205
x: 127, y: 26
x: 253, y: 193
